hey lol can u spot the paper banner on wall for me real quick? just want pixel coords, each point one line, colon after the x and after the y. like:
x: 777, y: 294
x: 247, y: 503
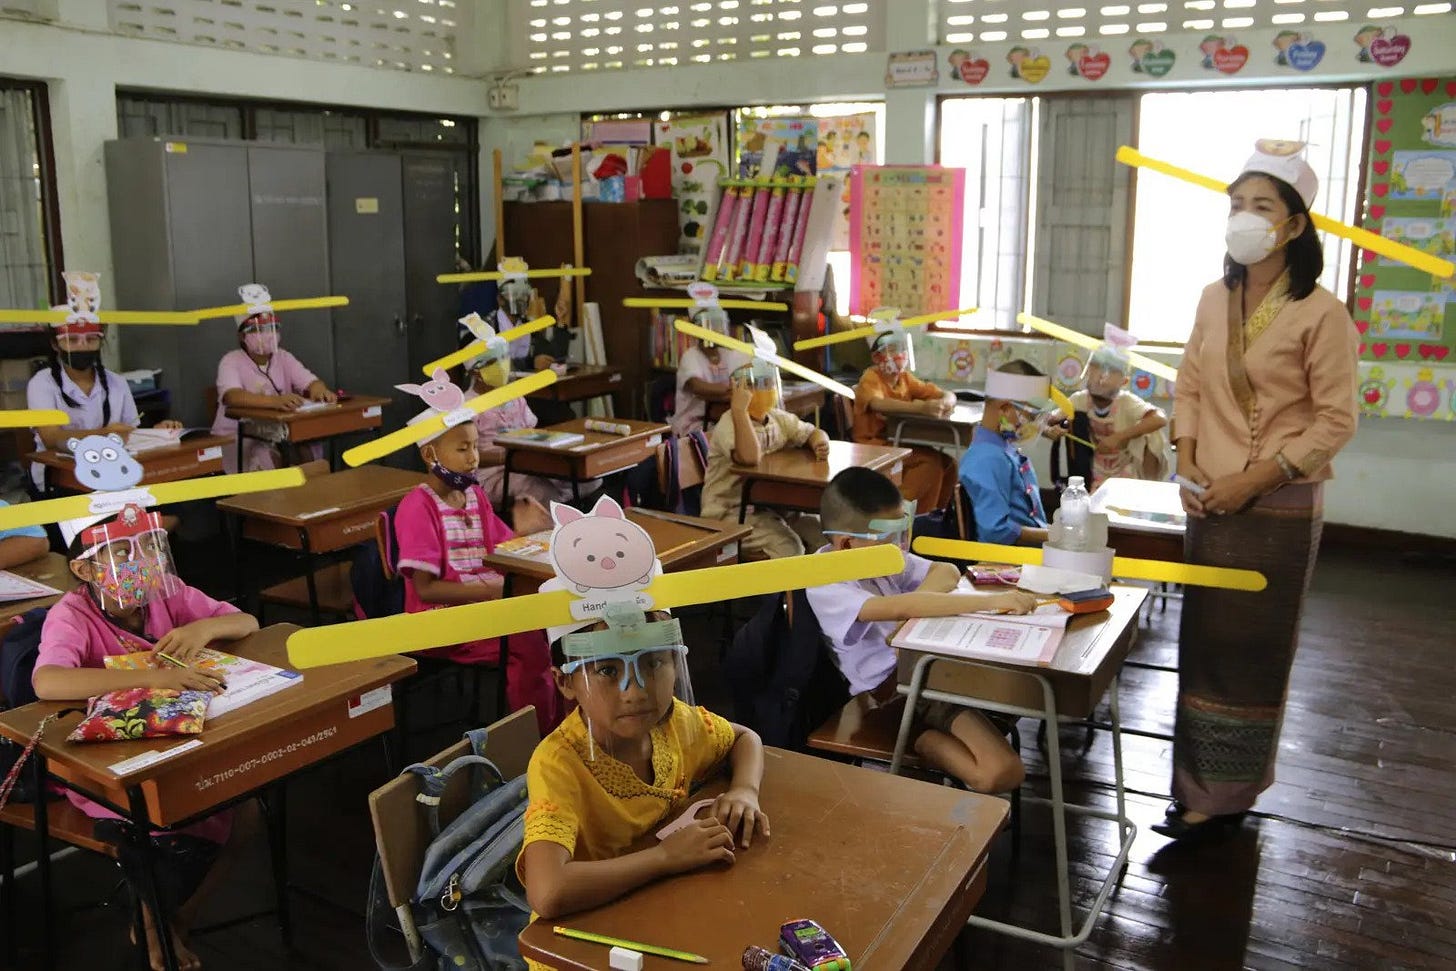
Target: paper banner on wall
x: 699, y: 146
x: 905, y: 237
x: 1407, y: 318
x: 797, y: 140
x: 845, y: 142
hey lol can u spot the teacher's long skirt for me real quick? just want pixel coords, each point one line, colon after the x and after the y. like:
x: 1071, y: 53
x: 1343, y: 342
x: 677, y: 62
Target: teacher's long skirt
x: 1235, y: 649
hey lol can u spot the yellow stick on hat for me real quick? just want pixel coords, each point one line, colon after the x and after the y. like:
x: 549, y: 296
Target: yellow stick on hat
x: 1091, y: 343
x: 1165, y: 571
x: 158, y: 317
x: 743, y: 347
x: 403, y: 633
x: 842, y: 336
x: 547, y: 274
x: 33, y: 418
x: 682, y: 303
x: 475, y: 347
x: 279, y: 306
x: 1363, y: 238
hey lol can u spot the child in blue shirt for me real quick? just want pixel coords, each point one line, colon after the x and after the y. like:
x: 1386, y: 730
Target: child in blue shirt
x: 21, y: 545
x: 996, y: 474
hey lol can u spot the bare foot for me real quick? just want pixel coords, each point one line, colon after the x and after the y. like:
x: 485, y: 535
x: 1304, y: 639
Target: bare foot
x: 186, y: 959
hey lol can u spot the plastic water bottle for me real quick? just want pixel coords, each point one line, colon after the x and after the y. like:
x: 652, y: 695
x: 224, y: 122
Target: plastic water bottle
x: 1076, y: 508
x: 758, y: 959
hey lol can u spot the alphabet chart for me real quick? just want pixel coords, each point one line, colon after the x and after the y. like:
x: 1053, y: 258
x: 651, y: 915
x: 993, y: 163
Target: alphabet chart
x: 905, y: 237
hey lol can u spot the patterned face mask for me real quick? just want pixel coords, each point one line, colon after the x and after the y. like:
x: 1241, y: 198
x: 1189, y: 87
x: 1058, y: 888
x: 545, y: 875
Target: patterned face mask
x: 127, y: 584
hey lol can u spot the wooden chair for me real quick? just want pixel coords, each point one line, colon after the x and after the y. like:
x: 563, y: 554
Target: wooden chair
x: 401, y: 827
x: 335, y: 593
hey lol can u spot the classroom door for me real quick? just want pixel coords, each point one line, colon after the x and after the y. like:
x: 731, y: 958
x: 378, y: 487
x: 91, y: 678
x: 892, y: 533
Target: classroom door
x: 430, y: 248
x: 366, y: 257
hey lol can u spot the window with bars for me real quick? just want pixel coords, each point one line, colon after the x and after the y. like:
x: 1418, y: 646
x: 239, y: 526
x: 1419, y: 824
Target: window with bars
x: 963, y: 21
x: 560, y: 36
x: 29, y: 238
x: 1178, y: 243
x: 404, y: 35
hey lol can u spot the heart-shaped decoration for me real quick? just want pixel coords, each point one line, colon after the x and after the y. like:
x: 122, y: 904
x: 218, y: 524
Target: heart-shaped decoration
x: 1379, y: 349
x: 1390, y: 52
x: 1383, y: 125
x: 1381, y: 189
x: 1377, y: 212
x: 1033, y: 69
x: 1372, y: 394
x: 1408, y: 85
x: 1367, y: 281
x: 1305, y: 56
x: 1364, y: 302
x: 1092, y: 67
x: 1384, y: 106
x: 1371, y: 256
x: 1384, y: 88
x: 1429, y: 84
x: 1158, y: 63
x: 1451, y: 89
x: 1381, y: 167
x: 1401, y: 350
x: 1441, y: 351
x: 1362, y: 325
x: 1427, y: 350
x: 974, y: 72
x: 1360, y: 350
x: 1230, y: 60
x: 1382, y: 146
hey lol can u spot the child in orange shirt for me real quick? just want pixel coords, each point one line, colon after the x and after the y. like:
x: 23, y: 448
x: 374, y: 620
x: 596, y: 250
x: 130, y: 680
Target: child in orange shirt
x: 889, y: 387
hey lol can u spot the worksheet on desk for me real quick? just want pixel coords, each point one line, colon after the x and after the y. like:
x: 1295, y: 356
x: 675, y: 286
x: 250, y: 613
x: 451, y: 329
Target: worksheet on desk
x: 14, y: 588
x: 981, y: 637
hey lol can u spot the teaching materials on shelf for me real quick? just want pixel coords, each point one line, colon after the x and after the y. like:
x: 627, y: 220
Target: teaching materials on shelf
x: 723, y: 224
x: 246, y: 680
x: 541, y: 436
x: 665, y: 271
x: 800, y: 233
x: 792, y: 201
x: 989, y: 638
x: 15, y: 588
x: 532, y: 546
x: 763, y: 266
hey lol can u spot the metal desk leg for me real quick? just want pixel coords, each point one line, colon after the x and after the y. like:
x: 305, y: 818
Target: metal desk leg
x: 308, y: 577
x: 743, y: 501
x: 917, y: 685
x: 140, y: 837
x: 277, y: 803
x: 502, y: 705
x: 43, y: 861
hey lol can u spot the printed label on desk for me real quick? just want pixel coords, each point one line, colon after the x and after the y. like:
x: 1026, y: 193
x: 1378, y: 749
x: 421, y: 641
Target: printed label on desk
x: 897, y: 468
x: 138, y: 762
x: 729, y: 552
x: 209, y: 454
x: 373, y: 411
x: 654, y: 441
x: 368, y: 701
x: 318, y: 512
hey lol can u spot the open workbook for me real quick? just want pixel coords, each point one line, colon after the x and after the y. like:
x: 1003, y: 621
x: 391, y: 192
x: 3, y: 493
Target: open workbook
x: 247, y: 681
x: 15, y: 588
x: 1030, y: 639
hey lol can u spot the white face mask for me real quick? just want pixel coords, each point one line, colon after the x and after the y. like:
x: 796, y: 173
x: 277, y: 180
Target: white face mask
x: 1249, y: 237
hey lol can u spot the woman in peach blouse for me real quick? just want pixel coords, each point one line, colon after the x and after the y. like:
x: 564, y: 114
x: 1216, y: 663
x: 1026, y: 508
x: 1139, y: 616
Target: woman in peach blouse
x: 1265, y: 398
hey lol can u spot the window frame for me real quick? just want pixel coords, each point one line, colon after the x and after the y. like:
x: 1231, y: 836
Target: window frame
x: 50, y: 206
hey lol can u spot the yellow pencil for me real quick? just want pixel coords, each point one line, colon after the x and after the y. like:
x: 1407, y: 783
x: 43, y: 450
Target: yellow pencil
x: 602, y: 939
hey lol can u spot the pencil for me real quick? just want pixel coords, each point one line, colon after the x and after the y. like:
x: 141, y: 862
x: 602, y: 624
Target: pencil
x: 665, y: 952
x: 169, y: 658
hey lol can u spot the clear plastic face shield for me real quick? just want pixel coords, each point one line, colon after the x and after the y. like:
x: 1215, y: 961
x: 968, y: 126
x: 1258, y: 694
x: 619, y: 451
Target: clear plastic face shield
x: 78, y: 342
x: 879, y: 530
x: 714, y: 319
x: 1022, y: 421
x: 260, y: 334
x: 515, y: 298
x: 1105, y: 375
x: 493, y: 365
x: 625, y: 678
x: 128, y: 561
x: 892, y: 353
x: 762, y: 379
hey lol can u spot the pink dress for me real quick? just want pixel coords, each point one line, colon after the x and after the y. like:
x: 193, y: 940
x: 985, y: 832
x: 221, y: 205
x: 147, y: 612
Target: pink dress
x: 283, y: 374
x: 449, y: 543
x: 508, y: 417
x: 77, y: 634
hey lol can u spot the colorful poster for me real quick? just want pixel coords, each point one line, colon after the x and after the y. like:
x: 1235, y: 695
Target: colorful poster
x: 1406, y: 317
x: 845, y: 142
x: 699, y: 146
x: 905, y: 237
x: 797, y: 140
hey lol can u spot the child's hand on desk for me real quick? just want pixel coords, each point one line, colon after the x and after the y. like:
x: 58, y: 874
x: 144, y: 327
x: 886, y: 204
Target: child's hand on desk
x: 184, y: 679
x: 698, y: 844
x: 1010, y: 602
x: 289, y: 402
x: 321, y: 393
x: 543, y: 361
x: 819, y: 442
x: 738, y: 810
x: 183, y: 643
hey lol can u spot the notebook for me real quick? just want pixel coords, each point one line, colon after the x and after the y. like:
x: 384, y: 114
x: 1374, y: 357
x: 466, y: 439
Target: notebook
x: 246, y: 680
x: 982, y: 637
x: 541, y: 436
x: 150, y: 439
x: 15, y: 588
x: 534, y: 546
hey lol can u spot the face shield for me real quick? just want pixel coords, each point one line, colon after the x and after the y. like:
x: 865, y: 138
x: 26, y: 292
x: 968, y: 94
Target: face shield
x: 492, y: 364
x: 714, y: 319
x: 762, y: 379
x: 896, y: 530
x: 625, y: 678
x: 515, y: 298
x: 78, y: 340
x: 260, y: 334
x: 130, y: 560
x: 892, y: 353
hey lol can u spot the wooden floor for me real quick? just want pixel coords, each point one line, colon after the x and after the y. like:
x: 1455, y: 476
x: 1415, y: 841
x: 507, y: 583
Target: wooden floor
x: 1348, y: 863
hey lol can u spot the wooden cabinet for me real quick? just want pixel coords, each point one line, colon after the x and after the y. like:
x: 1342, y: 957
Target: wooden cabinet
x: 616, y: 235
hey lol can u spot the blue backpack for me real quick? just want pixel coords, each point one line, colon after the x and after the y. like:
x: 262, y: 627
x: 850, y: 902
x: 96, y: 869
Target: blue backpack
x: 378, y: 588
x: 18, y: 650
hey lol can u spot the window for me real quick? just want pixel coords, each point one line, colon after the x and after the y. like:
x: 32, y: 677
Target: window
x: 1178, y: 246
x: 30, y: 257
x: 991, y: 138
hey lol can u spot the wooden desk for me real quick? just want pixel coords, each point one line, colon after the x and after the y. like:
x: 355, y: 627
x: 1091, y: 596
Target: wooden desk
x: 1085, y: 666
x: 1144, y: 518
x: 891, y: 867
x: 261, y: 744
x: 953, y: 431
x: 194, y: 457
x: 357, y: 413
x: 794, y: 479
x: 53, y: 570
x: 579, y: 383
x: 327, y: 513
x: 598, y: 454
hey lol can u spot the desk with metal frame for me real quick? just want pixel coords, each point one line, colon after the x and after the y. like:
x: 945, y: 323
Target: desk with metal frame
x: 598, y: 454
x: 792, y: 478
x: 356, y: 413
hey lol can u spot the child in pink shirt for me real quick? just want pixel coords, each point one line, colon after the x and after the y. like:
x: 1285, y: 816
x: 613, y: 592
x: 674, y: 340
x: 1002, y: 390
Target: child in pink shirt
x: 260, y: 374
x: 445, y: 528
x: 131, y: 600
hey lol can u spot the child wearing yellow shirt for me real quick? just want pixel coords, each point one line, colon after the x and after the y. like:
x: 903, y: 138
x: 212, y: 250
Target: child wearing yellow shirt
x: 626, y: 762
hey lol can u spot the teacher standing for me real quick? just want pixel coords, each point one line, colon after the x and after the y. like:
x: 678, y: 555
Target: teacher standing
x: 1265, y: 398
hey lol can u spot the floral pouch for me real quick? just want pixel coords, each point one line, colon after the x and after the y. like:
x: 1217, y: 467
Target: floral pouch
x: 141, y: 713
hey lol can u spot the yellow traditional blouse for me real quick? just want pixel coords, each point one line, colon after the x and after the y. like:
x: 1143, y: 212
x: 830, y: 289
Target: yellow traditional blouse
x: 597, y: 807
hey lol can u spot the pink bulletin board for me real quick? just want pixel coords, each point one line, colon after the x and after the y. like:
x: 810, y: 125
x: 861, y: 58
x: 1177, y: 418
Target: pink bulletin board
x: 905, y: 237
